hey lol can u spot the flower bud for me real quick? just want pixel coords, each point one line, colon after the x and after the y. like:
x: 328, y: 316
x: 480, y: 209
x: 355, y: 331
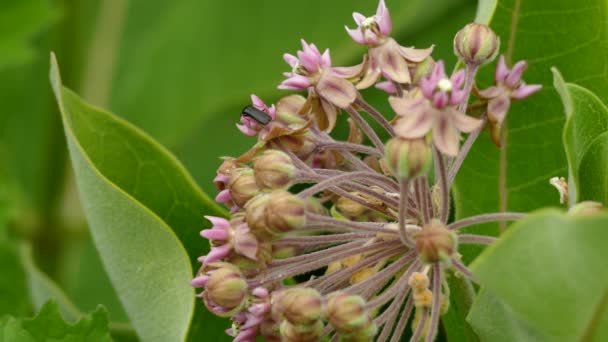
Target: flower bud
x: 242, y: 186
x: 301, y: 144
x: 273, y: 170
x: 476, y: 44
x: 255, y: 213
x: 226, y: 289
x: 350, y: 208
x: 408, y: 158
x: 295, y: 333
x: 435, y: 242
x: 284, y: 212
x: 299, y: 305
x: 366, y: 334
x: 347, y: 313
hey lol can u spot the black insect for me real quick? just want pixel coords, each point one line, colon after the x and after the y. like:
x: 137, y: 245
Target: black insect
x: 257, y: 115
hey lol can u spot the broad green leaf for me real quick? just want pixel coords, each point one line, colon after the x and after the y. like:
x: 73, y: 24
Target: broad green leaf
x: 48, y: 325
x: 585, y: 140
x: 550, y: 269
x: 563, y: 33
x: 139, y: 203
x: 454, y: 321
x: 20, y: 21
x: 13, y: 289
x: 493, y: 320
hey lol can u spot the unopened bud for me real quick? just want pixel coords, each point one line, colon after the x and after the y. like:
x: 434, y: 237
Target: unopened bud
x: 255, y: 213
x: 284, y: 212
x: 242, y: 186
x: 301, y: 144
x: 300, y: 305
x: 226, y: 288
x: 350, y: 208
x: 296, y: 333
x: 347, y: 313
x: 435, y: 242
x: 408, y: 158
x: 366, y: 334
x: 476, y: 44
x: 273, y: 170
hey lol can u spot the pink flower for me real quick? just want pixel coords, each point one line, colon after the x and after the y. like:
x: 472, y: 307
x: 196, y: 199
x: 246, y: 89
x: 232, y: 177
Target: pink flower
x: 227, y: 239
x: 312, y: 71
x: 508, y: 86
x: 251, y: 127
x: 435, y: 111
x: 385, y: 56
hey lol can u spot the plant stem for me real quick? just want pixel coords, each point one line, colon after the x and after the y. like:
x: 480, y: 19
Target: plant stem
x: 464, y: 151
x: 483, y: 218
x: 348, y: 147
x: 404, y: 191
x: 476, y: 239
x: 443, y: 184
x: 366, y: 128
x: 436, y: 302
x: 375, y: 114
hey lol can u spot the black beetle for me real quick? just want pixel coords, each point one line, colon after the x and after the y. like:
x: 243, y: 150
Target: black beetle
x: 259, y: 116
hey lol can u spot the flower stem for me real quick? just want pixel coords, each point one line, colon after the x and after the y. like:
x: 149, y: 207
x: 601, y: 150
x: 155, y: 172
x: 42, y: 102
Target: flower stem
x: 443, y: 184
x: 420, y: 327
x: 348, y: 147
x: 365, y: 127
x: 476, y: 239
x: 405, y: 314
x: 404, y: 189
x: 322, y: 221
x: 483, y: 218
x: 436, y: 302
x: 464, y: 151
x: 464, y: 270
x: 469, y: 78
x: 375, y: 114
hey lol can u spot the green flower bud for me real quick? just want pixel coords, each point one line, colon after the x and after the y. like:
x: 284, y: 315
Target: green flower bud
x: 476, y: 44
x: 435, y: 242
x: 408, y: 158
x: 226, y: 288
x: 297, y: 333
x: 255, y: 214
x: 300, y: 306
x: 242, y: 186
x: 347, y: 313
x: 273, y: 170
x: 284, y: 212
x: 366, y: 334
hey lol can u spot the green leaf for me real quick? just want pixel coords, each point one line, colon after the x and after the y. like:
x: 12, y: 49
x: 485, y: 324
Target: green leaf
x: 139, y: 203
x: 493, y: 320
x: 550, y: 269
x: 585, y: 140
x: 48, y: 325
x: 13, y: 289
x: 20, y: 21
x: 461, y: 299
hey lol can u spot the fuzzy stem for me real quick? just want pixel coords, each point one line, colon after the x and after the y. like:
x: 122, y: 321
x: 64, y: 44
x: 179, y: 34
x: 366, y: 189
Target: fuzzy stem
x: 348, y: 147
x: 469, y: 78
x: 385, y: 273
x: 464, y: 270
x: 420, y: 327
x: 319, y: 239
x: 333, y: 182
x: 400, y: 285
x: 476, y: 239
x: 389, y: 316
x: 464, y: 151
x: 318, y: 254
x: 443, y: 184
x: 484, y: 218
x: 404, y: 189
x: 436, y: 303
x: 375, y: 114
x: 405, y: 314
x: 365, y: 127
x: 373, y: 178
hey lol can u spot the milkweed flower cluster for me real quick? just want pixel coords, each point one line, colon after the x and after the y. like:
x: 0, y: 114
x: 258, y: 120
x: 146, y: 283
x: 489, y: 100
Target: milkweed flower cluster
x: 350, y: 239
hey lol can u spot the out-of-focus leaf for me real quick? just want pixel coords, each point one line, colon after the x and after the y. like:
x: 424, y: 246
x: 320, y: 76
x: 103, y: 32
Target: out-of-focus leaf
x: 13, y: 289
x: 570, y: 35
x: 20, y: 21
x: 585, y: 140
x: 48, y: 325
x: 495, y: 321
x: 550, y: 269
x: 140, y: 203
x: 82, y: 273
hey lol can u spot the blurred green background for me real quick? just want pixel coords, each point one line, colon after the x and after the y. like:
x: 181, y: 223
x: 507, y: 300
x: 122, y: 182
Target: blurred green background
x: 181, y: 70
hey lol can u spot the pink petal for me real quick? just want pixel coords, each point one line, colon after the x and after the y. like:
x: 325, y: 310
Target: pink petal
x: 371, y: 76
x: 309, y: 61
x: 390, y: 61
x: 501, y: 70
x: 464, y: 123
x: 221, y: 178
x: 290, y: 59
x: 272, y: 111
x: 358, y: 17
x: 427, y: 87
x: 349, y: 72
x: 199, y: 281
x: 525, y: 90
x: 336, y: 90
x: 356, y: 35
x: 246, y: 130
x: 498, y: 108
x: 260, y: 292
x: 457, y: 79
x: 257, y: 102
x: 445, y: 136
x: 217, y: 253
x: 331, y: 113
x: 438, y: 72
x: 383, y: 18
x: 246, y: 244
x: 223, y: 196
x: 490, y: 92
x: 218, y: 222
x: 440, y: 100
x: 387, y: 86
x: 406, y: 106
x: 215, y: 234
x: 514, y: 77
x: 457, y: 96
x: 295, y: 82
x: 415, y: 55
x: 415, y: 125
x: 326, y: 59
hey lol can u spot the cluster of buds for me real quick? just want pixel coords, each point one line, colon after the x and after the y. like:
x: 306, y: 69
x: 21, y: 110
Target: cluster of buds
x: 348, y: 239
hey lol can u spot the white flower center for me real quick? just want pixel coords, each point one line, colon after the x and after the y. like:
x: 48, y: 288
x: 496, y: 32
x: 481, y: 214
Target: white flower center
x: 369, y: 22
x: 444, y: 85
